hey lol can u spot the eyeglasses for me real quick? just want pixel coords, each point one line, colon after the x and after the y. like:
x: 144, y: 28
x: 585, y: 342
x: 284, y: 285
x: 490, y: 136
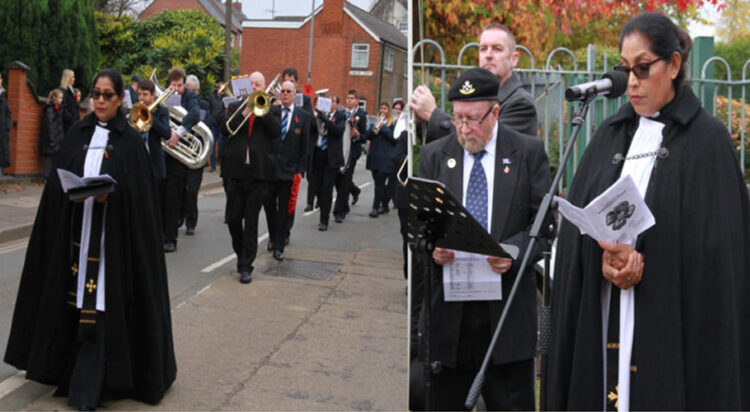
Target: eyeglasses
x: 106, y: 95
x: 471, y: 122
x: 283, y: 91
x: 640, y: 70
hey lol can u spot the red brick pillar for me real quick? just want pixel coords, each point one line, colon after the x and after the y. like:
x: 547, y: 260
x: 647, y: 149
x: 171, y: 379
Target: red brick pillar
x: 26, y: 109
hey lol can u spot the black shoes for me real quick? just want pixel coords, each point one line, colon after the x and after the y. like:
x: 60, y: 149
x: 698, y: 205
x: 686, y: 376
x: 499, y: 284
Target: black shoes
x: 355, y: 198
x: 383, y: 210
x: 190, y: 231
x: 246, y: 276
x: 278, y: 255
x: 269, y: 246
x: 170, y: 247
x: 375, y: 212
x: 308, y: 208
x: 323, y: 227
x: 338, y: 219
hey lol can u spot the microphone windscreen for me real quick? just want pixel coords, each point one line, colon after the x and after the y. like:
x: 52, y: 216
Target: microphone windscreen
x: 619, y: 83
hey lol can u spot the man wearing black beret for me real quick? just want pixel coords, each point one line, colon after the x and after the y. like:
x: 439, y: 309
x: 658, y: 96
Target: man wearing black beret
x: 501, y: 177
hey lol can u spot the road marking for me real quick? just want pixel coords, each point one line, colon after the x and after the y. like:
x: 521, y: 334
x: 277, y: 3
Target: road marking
x: 362, y: 186
x: 9, y: 385
x: 13, y: 246
x: 229, y: 258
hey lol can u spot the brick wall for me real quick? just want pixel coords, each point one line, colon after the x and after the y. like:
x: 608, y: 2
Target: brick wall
x: 26, y: 109
x: 270, y: 50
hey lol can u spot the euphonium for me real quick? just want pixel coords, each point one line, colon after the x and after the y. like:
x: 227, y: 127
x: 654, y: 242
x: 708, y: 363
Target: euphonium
x: 258, y: 101
x: 194, y: 148
x: 141, y: 115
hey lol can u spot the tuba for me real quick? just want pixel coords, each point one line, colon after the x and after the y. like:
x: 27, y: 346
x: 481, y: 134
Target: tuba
x: 193, y: 149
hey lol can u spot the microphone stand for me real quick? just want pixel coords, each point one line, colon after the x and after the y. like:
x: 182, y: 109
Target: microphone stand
x: 534, y: 235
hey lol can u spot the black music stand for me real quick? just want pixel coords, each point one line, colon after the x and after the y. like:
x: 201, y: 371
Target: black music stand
x: 437, y: 218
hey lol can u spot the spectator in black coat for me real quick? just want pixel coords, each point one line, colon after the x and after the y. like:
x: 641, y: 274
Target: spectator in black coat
x: 70, y: 107
x: 52, y: 129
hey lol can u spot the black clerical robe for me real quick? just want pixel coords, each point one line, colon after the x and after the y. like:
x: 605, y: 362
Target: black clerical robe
x: 691, y: 325
x: 139, y: 355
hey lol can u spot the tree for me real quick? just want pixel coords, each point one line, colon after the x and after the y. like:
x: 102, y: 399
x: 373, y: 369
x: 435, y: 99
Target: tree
x: 542, y: 25
x: 49, y: 36
x: 119, y: 8
x: 734, y: 23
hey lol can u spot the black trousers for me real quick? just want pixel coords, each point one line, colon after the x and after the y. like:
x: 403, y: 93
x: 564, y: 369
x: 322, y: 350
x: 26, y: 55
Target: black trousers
x: 244, y: 199
x: 322, y: 183
x: 275, y: 206
x: 390, y: 189
x: 174, y: 195
x: 380, y: 199
x: 344, y: 187
x: 312, y: 191
x: 193, y: 181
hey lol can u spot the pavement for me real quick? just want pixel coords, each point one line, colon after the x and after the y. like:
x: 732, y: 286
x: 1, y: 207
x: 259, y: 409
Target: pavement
x: 325, y: 329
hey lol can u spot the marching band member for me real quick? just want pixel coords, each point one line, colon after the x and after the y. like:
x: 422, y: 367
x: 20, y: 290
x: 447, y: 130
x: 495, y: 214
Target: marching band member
x: 345, y: 186
x: 328, y: 158
x: 381, y: 158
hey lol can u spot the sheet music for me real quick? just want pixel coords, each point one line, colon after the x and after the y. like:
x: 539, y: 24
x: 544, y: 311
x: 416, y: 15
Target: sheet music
x: 618, y: 215
x: 242, y: 86
x: 469, y: 277
x: 69, y: 180
x: 324, y: 104
x: 127, y: 102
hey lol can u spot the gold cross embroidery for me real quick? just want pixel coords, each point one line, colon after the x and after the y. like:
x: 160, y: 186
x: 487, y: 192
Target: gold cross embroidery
x: 74, y: 268
x: 91, y: 285
x: 612, y: 396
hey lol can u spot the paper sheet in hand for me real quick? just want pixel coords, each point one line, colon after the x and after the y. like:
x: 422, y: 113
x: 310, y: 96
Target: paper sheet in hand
x: 82, y: 187
x: 242, y: 86
x: 470, y: 277
x: 324, y: 104
x: 618, y: 215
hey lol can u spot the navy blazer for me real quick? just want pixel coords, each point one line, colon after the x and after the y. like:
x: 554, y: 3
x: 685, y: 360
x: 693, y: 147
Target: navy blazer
x: 383, y: 148
x: 290, y: 151
x: 189, y: 101
x: 334, y: 134
x: 258, y: 143
x: 159, y: 131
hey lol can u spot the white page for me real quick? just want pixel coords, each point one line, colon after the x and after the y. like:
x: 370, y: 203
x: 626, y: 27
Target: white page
x: 69, y: 180
x: 324, y: 104
x: 469, y: 277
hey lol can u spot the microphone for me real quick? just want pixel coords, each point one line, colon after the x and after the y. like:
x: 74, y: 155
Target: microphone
x: 613, y: 84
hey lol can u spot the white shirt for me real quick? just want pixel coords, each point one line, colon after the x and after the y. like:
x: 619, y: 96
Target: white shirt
x: 488, y: 164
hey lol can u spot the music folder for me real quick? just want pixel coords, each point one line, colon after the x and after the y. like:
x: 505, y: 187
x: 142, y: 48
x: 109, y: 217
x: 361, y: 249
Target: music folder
x: 82, y: 187
x: 430, y: 200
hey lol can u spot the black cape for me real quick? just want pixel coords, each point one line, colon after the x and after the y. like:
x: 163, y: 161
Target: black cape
x: 140, y: 361
x: 691, y: 317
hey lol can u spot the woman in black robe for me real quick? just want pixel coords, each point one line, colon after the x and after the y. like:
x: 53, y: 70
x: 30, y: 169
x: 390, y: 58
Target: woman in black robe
x: 687, y: 274
x: 108, y: 335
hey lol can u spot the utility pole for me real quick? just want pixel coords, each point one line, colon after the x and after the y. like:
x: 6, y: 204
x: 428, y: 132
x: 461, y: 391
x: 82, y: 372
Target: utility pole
x: 309, y: 56
x: 227, y: 39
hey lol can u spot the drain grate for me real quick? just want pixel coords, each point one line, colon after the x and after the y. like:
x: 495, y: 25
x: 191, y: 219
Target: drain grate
x: 303, y: 269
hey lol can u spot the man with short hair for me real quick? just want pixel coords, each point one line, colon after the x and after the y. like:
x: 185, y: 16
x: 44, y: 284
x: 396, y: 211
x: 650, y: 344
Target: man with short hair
x: 328, y: 158
x: 159, y: 131
x: 194, y: 177
x: 290, y: 152
x: 497, y: 53
x: 133, y: 89
x: 248, y: 168
x: 357, y: 119
x: 500, y: 176
x: 176, y: 171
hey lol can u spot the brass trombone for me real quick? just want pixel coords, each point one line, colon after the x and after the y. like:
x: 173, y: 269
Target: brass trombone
x: 141, y: 115
x: 259, y: 103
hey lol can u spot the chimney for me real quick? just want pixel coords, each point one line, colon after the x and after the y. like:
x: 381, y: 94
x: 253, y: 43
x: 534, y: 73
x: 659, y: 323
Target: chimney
x: 237, y: 7
x: 332, y: 16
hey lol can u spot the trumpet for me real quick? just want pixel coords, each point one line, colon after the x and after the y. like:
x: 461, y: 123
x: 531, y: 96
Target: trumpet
x: 259, y: 103
x: 141, y: 118
x: 378, y: 125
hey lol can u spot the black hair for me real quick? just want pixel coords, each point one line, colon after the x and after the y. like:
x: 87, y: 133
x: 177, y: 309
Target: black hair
x: 114, y: 75
x: 290, y: 71
x: 353, y: 92
x: 147, y: 84
x: 665, y: 37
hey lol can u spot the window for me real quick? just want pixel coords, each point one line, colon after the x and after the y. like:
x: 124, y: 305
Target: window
x: 363, y: 103
x: 388, y: 59
x: 406, y: 68
x: 360, y: 55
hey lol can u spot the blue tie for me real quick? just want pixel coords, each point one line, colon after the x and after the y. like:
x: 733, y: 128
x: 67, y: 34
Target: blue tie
x: 476, y: 194
x: 284, y: 121
x: 324, y: 138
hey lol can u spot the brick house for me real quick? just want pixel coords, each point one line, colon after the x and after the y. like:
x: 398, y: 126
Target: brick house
x: 352, y: 49
x: 212, y: 8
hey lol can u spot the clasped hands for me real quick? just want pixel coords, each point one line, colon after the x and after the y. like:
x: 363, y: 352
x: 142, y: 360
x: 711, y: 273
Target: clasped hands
x: 621, y: 264
x: 499, y: 265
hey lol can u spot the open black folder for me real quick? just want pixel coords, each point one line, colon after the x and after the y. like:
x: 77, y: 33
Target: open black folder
x: 77, y: 187
x: 430, y: 201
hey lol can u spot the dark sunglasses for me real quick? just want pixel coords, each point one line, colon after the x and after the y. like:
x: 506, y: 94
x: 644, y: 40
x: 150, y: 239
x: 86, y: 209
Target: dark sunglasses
x: 640, y: 70
x: 107, y: 96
